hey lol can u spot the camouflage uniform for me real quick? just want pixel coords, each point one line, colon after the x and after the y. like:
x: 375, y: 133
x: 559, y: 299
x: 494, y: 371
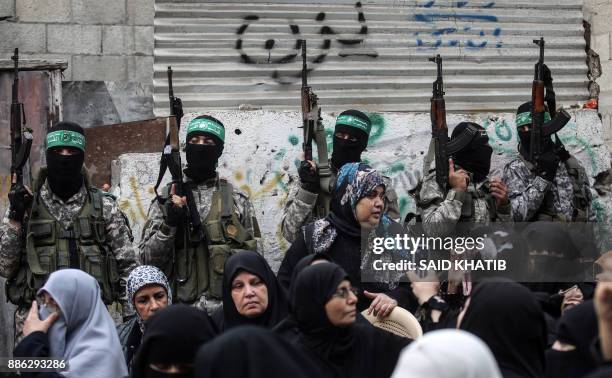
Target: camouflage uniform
x: 298, y: 210
x: 158, y: 238
x: 532, y: 196
x: 440, y: 212
x: 118, y: 235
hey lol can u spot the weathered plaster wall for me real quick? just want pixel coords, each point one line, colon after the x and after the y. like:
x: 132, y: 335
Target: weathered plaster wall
x: 263, y: 147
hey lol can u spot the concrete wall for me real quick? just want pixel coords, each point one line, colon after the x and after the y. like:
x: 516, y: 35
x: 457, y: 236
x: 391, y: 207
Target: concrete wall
x: 263, y: 147
x: 108, y: 41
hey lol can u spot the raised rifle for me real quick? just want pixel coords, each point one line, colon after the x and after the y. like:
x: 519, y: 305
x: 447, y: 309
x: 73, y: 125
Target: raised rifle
x: 314, y: 130
x: 21, y: 136
x: 539, y: 129
x: 439, y: 129
x: 171, y: 160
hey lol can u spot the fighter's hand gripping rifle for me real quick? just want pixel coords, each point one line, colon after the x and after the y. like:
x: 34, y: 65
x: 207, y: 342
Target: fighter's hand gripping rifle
x: 171, y: 160
x: 21, y: 143
x: 314, y: 130
x: 539, y: 129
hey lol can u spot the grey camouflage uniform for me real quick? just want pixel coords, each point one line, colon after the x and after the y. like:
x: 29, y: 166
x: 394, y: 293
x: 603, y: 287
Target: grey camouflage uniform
x: 300, y: 204
x: 530, y: 194
x: 157, y: 240
x: 118, y: 236
x: 440, y: 213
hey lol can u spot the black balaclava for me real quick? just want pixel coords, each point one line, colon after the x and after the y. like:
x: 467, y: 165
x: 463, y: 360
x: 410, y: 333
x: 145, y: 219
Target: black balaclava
x: 173, y: 336
x: 346, y: 151
x: 64, y: 171
x: 525, y: 136
x: 476, y: 156
x: 202, y: 159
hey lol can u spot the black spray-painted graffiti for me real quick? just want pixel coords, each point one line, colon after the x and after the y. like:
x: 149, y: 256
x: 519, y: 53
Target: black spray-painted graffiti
x: 352, y: 44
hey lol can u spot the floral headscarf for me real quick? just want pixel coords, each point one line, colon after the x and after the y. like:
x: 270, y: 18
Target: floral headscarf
x: 142, y: 276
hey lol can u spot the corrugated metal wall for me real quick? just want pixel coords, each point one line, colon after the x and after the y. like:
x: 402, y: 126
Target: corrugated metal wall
x: 369, y: 54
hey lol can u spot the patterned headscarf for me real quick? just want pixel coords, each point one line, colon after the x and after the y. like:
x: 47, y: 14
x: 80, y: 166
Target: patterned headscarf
x: 355, y: 181
x: 142, y: 276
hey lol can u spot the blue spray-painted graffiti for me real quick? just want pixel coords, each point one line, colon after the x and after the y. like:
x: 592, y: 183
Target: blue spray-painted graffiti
x: 471, y: 37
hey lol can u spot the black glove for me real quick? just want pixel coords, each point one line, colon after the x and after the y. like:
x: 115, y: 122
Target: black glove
x: 548, y: 163
x: 308, y: 177
x: 174, y: 214
x: 19, y: 200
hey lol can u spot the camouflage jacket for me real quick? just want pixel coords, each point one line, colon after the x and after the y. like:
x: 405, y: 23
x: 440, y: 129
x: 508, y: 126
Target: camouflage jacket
x: 157, y: 240
x: 300, y: 204
x: 531, y: 195
x: 441, y: 212
x: 118, y: 233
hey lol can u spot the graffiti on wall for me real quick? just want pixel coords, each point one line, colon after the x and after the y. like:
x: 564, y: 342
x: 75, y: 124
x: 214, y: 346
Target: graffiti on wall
x: 265, y: 167
x: 470, y: 29
x: 351, y: 43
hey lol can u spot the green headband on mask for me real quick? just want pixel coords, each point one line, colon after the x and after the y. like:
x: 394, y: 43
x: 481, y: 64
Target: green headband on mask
x: 66, y: 138
x: 523, y: 119
x: 353, y: 121
x: 208, y: 126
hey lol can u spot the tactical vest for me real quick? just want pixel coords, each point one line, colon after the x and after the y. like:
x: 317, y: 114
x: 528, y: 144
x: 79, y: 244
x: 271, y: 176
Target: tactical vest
x: 50, y: 247
x: 196, y: 266
x: 580, y: 201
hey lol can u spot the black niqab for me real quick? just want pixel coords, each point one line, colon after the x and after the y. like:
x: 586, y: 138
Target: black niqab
x: 254, y: 352
x: 173, y: 336
x: 507, y: 317
x: 256, y: 264
x: 577, y: 327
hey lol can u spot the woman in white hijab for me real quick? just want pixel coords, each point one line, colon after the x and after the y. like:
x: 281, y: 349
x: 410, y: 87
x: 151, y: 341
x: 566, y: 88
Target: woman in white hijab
x: 448, y: 353
x: 82, y: 333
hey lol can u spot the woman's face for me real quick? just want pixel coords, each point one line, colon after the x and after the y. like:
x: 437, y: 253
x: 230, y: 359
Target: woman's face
x: 150, y: 299
x: 341, y: 309
x: 250, y: 295
x: 370, y: 208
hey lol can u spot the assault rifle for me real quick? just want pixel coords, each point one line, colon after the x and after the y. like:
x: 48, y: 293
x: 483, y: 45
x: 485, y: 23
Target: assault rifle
x: 439, y: 129
x: 21, y: 136
x: 171, y: 160
x: 443, y: 147
x: 314, y: 130
x: 539, y: 129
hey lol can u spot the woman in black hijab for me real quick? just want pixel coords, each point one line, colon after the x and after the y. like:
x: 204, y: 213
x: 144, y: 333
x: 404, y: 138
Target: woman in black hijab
x: 255, y: 352
x: 170, y: 342
x: 251, y: 293
x: 356, y: 210
x: 570, y: 355
x: 507, y: 317
x: 324, y: 306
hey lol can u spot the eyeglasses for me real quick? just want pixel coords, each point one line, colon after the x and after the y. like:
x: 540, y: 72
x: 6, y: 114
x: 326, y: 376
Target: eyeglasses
x: 344, y: 292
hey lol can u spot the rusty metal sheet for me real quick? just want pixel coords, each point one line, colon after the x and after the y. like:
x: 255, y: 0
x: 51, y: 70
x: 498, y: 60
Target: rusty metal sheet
x: 106, y: 143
